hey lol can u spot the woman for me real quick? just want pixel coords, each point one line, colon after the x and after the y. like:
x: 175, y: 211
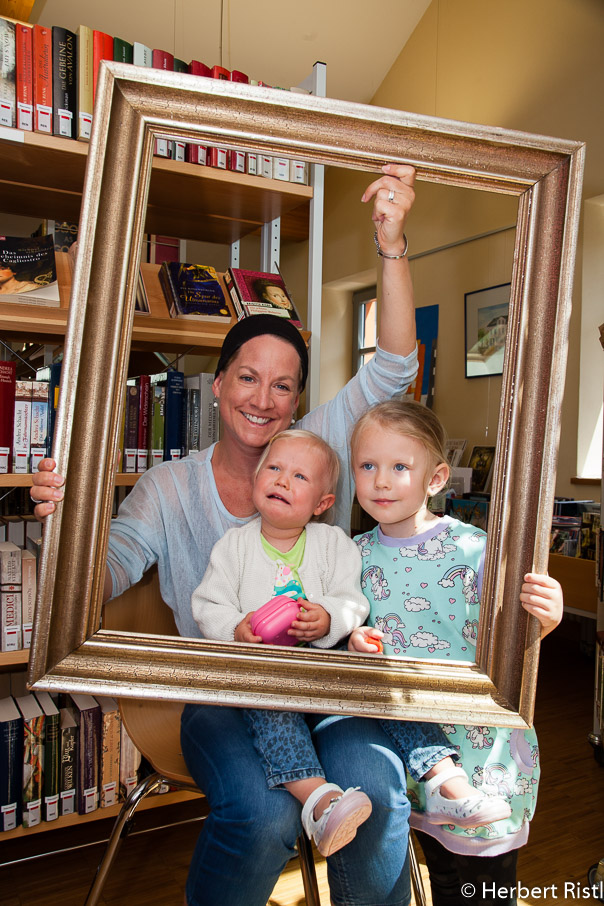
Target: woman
x: 174, y: 515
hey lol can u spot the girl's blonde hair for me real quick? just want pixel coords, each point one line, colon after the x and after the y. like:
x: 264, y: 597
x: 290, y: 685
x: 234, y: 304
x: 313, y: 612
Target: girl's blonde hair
x: 332, y: 463
x: 409, y: 418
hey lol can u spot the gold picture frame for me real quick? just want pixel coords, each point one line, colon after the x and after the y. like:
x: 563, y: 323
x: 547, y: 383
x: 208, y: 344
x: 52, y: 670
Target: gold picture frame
x: 133, y: 107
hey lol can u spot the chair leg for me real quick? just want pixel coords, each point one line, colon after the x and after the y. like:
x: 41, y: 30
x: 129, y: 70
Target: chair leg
x: 416, y: 877
x: 121, y: 828
x: 307, y: 867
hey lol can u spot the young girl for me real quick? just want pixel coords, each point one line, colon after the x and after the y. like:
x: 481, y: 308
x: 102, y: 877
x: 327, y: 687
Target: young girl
x: 426, y: 575
x: 284, y: 551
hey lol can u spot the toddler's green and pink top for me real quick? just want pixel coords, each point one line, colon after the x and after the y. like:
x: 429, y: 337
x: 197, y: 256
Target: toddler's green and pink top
x: 424, y: 594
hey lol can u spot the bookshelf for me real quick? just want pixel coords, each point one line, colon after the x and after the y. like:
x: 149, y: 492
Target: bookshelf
x: 43, y: 176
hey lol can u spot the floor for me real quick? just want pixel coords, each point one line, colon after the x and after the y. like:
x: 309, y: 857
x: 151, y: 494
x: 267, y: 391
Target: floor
x: 567, y: 834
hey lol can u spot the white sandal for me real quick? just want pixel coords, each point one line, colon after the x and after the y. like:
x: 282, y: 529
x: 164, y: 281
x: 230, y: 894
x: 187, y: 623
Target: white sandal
x: 338, y: 824
x: 471, y: 811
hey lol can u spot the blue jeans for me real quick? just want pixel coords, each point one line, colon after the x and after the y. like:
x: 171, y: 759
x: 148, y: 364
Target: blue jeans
x: 283, y: 742
x: 250, y: 833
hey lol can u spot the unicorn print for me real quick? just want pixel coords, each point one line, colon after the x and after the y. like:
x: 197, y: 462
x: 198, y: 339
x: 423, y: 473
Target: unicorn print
x: 364, y: 544
x: 469, y: 584
x: 379, y: 585
x: 391, y: 625
x: 432, y: 549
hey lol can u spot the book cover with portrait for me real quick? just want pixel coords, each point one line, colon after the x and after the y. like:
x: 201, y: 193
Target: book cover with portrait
x: 256, y: 292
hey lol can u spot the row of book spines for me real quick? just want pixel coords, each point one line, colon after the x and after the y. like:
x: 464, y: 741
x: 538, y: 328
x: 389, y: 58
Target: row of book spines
x: 56, y: 72
x: 62, y: 757
x: 166, y: 416
x: 18, y: 583
x: 27, y: 410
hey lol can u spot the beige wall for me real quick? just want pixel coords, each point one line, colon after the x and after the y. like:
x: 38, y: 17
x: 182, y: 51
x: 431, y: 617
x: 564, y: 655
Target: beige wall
x: 536, y: 67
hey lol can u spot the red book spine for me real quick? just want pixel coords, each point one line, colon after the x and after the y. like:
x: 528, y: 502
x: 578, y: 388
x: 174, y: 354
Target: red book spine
x: 42, y: 79
x: 199, y: 69
x: 102, y: 49
x: 25, y: 84
x: 8, y: 372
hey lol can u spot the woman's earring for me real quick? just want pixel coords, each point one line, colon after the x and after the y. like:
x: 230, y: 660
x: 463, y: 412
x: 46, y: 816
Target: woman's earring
x: 215, y: 403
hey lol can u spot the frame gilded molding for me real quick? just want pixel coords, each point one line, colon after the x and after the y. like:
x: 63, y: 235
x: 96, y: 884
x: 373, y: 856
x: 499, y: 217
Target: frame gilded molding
x: 133, y: 107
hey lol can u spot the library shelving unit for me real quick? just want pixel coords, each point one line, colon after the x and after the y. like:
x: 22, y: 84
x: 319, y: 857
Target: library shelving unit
x: 43, y: 176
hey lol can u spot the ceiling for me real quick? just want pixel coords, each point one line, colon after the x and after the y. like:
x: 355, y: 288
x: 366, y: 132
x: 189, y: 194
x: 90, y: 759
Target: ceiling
x: 276, y: 42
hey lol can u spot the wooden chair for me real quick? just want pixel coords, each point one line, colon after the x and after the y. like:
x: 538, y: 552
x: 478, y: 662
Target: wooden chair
x: 154, y: 728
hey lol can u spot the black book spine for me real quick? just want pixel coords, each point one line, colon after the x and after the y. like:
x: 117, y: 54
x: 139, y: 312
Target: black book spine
x: 64, y: 83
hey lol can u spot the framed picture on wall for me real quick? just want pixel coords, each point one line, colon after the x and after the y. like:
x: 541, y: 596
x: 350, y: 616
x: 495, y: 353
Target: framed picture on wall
x: 481, y: 462
x: 486, y: 319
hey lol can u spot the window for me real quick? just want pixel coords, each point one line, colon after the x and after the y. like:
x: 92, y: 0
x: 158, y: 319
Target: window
x: 365, y: 325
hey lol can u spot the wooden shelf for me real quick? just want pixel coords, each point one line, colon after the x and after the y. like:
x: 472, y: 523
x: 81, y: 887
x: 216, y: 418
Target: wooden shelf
x: 43, y: 175
x: 111, y: 812
x: 10, y: 659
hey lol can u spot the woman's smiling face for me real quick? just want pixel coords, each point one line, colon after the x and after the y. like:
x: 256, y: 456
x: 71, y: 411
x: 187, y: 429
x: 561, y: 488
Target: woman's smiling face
x: 259, y: 390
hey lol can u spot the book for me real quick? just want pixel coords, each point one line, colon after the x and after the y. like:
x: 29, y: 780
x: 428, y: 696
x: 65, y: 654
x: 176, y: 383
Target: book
x: 68, y: 771
x: 202, y: 412
x: 141, y: 54
x: 52, y: 375
x: 8, y: 371
x: 25, y: 83
x: 144, y: 416
x: 157, y: 424
x: 52, y: 757
x: 237, y: 159
x: 102, y: 49
x: 28, y: 271
x: 481, y: 462
x: 193, y: 291
x: 39, y: 423
x: 87, y: 715
x: 11, y: 764
x: 173, y: 383
x: 8, y: 74
x: 123, y: 51
x: 10, y: 596
x: 85, y: 81
x: 257, y: 292
x: 64, y: 82
x: 141, y: 303
x: 130, y: 760
x: 131, y: 427
x: 110, y: 750
x: 29, y: 580
x: 33, y: 754
x: 42, y: 79
x: 22, y: 427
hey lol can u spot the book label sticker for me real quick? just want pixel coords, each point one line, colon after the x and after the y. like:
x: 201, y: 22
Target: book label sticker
x: 11, y: 638
x: 36, y: 457
x: 4, y: 453
x: 157, y: 456
x: 34, y: 813
x: 130, y: 460
x: 25, y: 116
x: 161, y: 147
x: 298, y: 172
x: 21, y: 461
x: 281, y: 168
x: 68, y: 802
x: 109, y: 794
x: 90, y: 799
x: 6, y: 113
x: 27, y: 628
x: 220, y: 160
x: 52, y: 807
x: 179, y: 149
x: 238, y: 161
x: 141, y: 461
x: 65, y: 117
x: 129, y: 784
x: 252, y: 164
x: 175, y: 453
x: 9, y: 816
x: 85, y: 125
x: 43, y: 118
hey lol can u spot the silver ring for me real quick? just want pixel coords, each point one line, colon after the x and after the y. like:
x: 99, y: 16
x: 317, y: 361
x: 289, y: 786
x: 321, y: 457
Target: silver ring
x: 391, y: 196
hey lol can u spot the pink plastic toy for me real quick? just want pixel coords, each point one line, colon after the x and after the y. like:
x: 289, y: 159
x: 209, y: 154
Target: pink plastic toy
x: 273, y: 619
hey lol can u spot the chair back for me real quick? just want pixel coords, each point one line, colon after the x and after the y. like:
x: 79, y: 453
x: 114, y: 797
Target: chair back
x: 153, y: 726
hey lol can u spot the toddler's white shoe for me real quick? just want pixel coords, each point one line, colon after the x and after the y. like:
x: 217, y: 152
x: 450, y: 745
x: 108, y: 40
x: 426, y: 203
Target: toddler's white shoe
x: 471, y: 811
x: 338, y: 824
